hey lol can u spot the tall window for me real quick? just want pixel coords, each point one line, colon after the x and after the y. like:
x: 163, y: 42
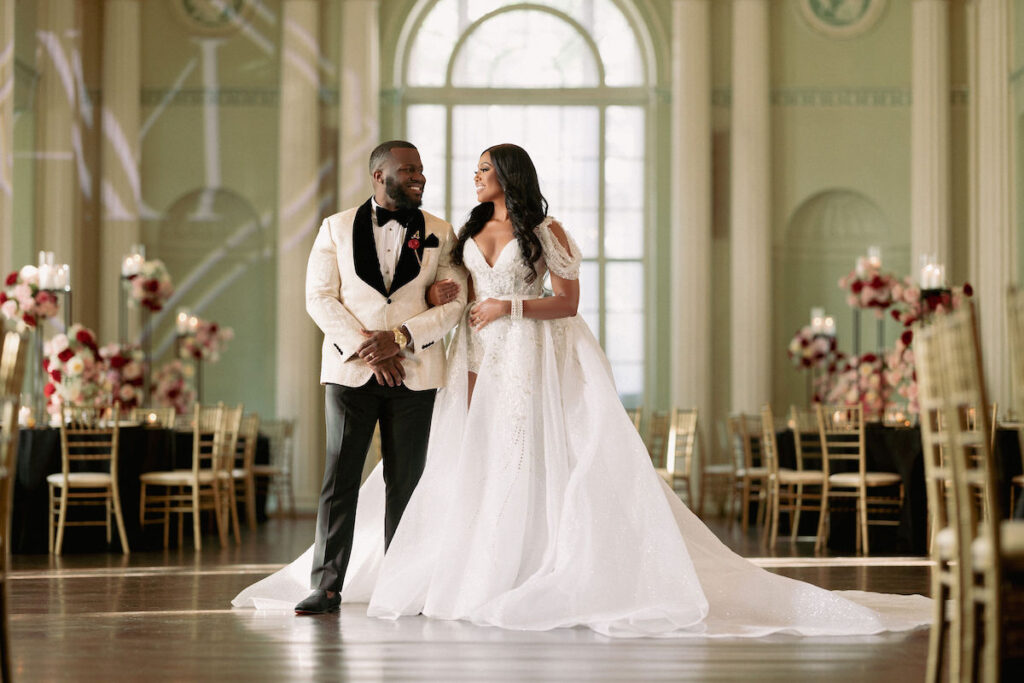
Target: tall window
x: 566, y: 80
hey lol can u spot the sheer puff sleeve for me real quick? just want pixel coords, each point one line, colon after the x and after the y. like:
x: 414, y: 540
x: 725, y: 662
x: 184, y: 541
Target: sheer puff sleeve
x: 560, y: 262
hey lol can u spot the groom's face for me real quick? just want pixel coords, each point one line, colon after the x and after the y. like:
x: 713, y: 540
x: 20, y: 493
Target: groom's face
x: 403, y: 178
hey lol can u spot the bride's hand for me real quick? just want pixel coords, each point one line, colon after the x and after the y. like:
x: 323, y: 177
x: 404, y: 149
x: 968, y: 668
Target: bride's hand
x: 487, y: 311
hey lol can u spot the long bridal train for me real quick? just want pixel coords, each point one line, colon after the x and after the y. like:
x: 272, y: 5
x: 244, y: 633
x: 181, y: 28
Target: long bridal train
x: 539, y: 507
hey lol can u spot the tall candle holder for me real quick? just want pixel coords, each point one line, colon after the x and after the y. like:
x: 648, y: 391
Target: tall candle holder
x: 186, y: 326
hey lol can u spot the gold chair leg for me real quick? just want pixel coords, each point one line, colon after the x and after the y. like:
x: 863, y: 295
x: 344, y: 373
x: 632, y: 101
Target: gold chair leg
x: 776, y: 506
x: 197, y: 536
x: 863, y: 502
x: 233, y: 510
x: 822, y: 517
x: 116, y: 498
x: 794, y: 514
x: 49, y: 521
x: 250, y: 501
x: 61, y: 518
x: 745, y: 512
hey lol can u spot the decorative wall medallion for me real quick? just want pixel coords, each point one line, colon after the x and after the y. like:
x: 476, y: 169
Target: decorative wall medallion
x: 841, y: 18
x: 213, y: 17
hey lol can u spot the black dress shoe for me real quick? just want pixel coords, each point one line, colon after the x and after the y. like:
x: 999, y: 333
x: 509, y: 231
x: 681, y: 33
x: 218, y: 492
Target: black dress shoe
x: 319, y: 603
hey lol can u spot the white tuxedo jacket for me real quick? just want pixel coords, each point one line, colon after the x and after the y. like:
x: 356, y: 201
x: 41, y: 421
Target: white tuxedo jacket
x: 345, y: 293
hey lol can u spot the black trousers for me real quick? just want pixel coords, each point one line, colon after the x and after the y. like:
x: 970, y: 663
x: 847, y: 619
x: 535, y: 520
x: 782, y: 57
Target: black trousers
x: 352, y: 414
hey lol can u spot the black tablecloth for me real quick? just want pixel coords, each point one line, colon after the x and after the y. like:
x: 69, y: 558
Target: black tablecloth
x: 140, y: 449
x: 898, y: 449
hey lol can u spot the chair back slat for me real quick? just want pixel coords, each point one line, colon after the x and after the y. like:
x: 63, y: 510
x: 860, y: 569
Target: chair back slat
x: 658, y: 430
x: 842, y: 436
x: 248, y: 433
x: 89, y: 434
x: 682, y: 441
x: 769, y: 441
x: 806, y: 438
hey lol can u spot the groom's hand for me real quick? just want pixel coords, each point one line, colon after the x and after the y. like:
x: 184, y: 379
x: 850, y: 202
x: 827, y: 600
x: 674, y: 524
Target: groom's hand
x: 389, y: 371
x: 379, y: 346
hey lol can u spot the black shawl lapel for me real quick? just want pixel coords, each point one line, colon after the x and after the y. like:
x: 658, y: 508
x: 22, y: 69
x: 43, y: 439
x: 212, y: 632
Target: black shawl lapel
x: 364, y: 250
x: 409, y: 260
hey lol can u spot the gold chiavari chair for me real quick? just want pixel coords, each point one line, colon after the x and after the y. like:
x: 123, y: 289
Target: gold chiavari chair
x: 716, y: 475
x: 682, y: 444
x: 276, y: 477
x: 809, y: 455
x: 207, y: 485
x: 784, y: 483
x: 242, y: 473
x: 12, y: 363
x: 842, y: 439
x: 946, y: 579
x: 8, y: 458
x: 155, y: 418
x: 751, y: 473
x: 991, y: 550
x: 87, y: 434
x: 658, y: 426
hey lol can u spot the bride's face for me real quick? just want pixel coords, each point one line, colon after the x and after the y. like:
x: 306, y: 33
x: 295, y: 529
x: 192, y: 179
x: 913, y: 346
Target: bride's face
x: 486, y: 180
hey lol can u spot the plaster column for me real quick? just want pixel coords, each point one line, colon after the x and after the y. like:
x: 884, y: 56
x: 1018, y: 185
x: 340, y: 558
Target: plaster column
x: 691, y: 211
x: 299, y: 394
x: 119, y: 156
x: 6, y: 138
x: 997, y: 237
x: 750, y: 208
x: 57, y: 195
x: 359, y: 95
x: 930, y: 134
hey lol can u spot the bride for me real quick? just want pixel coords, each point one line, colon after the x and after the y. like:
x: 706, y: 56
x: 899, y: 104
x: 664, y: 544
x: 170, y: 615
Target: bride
x: 538, y: 507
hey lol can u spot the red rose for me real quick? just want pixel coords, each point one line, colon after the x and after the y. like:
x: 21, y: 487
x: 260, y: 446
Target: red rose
x: 3, y: 297
x: 868, y: 358
x: 414, y: 243
x: 213, y: 328
x: 49, y: 389
x: 66, y: 355
x: 29, y: 319
x: 907, y: 337
x: 857, y: 286
x: 46, y: 364
x: 118, y: 361
x: 85, y: 337
x: 12, y: 279
x: 968, y: 290
x: 151, y: 285
x: 55, y: 374
x: 895, y: 314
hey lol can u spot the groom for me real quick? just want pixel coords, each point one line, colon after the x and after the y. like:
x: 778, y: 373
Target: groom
x: 382, y: 360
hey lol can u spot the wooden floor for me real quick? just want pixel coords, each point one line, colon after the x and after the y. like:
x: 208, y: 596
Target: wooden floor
x: 166, y: 616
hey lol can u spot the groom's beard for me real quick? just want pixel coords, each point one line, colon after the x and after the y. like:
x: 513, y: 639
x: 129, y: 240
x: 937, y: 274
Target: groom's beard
x: 397, y: 192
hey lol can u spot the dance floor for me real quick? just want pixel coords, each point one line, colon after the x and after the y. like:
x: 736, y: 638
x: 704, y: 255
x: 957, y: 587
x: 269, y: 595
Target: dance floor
x: 166, y: 616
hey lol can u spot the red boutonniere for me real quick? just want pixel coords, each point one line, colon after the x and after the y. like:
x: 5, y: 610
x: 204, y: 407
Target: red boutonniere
x: 414, y: 244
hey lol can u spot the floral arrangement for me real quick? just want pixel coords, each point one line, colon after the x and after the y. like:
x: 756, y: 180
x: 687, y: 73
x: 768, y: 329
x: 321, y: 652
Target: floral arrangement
x: 809, y: 350
x: 22, y: 300
x: 911, y: 303
x: 206, y: 341
x: 861, y: 382
x: 868, y: 287
x: 74, y: 368
x: 123, y: 374
x: 172, y: 387
x: 900, y: 372
x: 151, y: 286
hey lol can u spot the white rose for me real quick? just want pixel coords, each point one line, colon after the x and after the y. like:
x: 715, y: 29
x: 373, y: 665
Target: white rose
x: 75, y: 366
x: 29, y: 275
x: 58, y: 343
x: 9, y: 308
x: 132, y: 370
x: 127, y: 392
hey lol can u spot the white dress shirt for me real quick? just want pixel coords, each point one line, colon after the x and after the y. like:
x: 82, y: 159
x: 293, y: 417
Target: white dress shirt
x: 388, y: 238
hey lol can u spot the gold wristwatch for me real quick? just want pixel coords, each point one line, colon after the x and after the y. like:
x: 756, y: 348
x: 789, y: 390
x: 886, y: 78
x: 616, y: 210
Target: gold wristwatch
x: 400, y: 338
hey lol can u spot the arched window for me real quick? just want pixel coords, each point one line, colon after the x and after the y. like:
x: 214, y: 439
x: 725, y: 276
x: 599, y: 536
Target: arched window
x: 568, y: 81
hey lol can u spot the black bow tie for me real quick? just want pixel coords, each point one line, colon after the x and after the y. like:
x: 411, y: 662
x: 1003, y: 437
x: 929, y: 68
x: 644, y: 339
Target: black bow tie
x: 384, y: 216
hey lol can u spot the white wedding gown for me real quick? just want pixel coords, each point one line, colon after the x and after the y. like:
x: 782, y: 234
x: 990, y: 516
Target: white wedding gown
x: 539, y: 507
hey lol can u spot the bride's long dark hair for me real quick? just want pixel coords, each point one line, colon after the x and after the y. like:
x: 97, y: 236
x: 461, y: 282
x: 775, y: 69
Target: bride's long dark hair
x: 523, y: 199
